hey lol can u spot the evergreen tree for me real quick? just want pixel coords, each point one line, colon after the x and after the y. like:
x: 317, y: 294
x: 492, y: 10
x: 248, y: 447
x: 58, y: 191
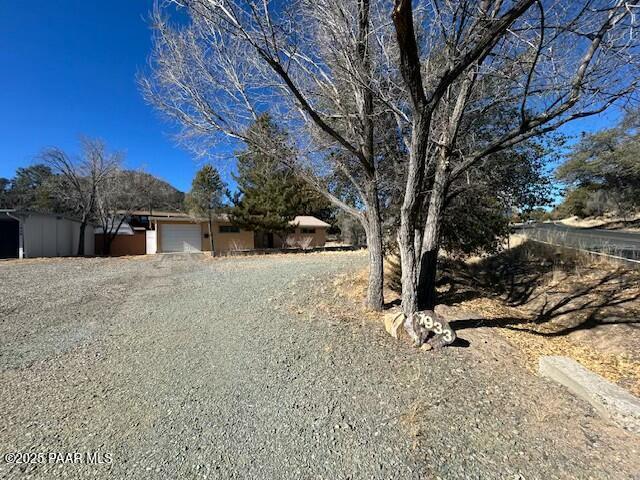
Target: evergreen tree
x: 206, y: 196
x: 5, y: 188
x: 33, y: 188
x: 602, y: 171
x: 269, y: 195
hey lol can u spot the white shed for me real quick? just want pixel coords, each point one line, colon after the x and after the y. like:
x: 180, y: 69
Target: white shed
x: 31, y: 234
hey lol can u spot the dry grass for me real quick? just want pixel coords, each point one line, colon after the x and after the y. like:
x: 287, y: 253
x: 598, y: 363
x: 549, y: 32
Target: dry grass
x: 543, y: 302
x: 620, y: 368
x: 546, y: 303
x: 583, y: 222
x: 352, y: 286
x: 607, y: 222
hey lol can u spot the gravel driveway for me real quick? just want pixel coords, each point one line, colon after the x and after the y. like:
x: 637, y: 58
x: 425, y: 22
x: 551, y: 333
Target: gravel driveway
x: 188, y: 367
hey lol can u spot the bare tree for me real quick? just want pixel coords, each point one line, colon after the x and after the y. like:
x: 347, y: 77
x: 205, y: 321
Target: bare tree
x: 309, y: 63
x: 125, y: 191
x: 552, y: 62
x: 339, y: 73
x: 120, y: 194
x: 82, y: 178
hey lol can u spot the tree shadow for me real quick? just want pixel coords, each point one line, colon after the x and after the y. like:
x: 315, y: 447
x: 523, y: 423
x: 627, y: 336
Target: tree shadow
x: 460, y: 343
x: 560, y: 293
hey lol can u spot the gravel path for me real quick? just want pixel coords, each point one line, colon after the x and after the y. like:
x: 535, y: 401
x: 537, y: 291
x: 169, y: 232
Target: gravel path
x: 184, y: 367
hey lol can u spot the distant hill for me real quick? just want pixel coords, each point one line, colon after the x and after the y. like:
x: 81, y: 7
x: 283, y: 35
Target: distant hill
x: 160, y: 195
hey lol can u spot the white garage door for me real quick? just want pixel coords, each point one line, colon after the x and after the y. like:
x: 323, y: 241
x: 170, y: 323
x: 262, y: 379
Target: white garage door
x: 180, y: 238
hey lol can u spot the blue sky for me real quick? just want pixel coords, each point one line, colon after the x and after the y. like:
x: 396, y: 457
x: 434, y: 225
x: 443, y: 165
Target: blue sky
x: 68, y: 68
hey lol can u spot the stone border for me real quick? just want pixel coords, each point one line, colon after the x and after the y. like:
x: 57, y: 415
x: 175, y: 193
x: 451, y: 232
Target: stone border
x: 609, y: 400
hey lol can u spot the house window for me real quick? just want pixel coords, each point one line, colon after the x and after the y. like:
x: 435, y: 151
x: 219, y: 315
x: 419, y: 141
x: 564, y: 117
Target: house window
x: 229, y: 229
x: 308, y: 230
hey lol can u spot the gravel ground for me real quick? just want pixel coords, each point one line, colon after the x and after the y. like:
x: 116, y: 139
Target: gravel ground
x: 185, y: 367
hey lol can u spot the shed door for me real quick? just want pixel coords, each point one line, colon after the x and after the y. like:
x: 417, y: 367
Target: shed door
x: 180, y: 238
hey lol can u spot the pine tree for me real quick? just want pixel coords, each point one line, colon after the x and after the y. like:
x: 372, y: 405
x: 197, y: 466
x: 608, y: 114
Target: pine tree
x: 269, y: 195
x: 206, y: 196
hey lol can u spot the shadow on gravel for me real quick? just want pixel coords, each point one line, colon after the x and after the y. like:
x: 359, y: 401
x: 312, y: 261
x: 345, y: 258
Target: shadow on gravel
x: 460, y: 343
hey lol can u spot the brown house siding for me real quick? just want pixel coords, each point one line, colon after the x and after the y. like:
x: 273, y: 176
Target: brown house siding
x: 123, y: 244
x: 224, y: 242
x: 298, y: 239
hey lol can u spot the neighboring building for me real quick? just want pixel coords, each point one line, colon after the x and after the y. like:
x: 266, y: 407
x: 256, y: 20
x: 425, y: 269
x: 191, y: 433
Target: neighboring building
x: 166, y: 232
x: 308, y: 229
x: 31, y: 234
x: 307, y: 232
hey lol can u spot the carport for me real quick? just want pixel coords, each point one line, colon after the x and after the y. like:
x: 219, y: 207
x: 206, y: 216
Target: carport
x: 32, y: 234
x: 9, y: 235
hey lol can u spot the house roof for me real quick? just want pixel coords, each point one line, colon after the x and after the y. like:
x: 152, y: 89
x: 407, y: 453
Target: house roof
x: 308, y: 221
x: 154, y: 213
x: 25, y: 213
x: 124, y: 229
x: 299, y: 221
x: 184, y: 217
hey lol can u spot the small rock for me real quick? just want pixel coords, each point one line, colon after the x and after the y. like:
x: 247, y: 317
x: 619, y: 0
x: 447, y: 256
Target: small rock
x: 393, y: 324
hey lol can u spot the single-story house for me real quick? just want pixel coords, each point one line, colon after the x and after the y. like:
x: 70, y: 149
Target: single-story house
x: 130, y: 239
x: 26, y: 234
x: 167, y: 232
x: 179, y: 232
x: 182, y: 233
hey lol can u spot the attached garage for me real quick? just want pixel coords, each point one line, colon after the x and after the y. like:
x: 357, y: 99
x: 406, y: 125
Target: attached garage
x: 179, y: 232
x: 180, y: 237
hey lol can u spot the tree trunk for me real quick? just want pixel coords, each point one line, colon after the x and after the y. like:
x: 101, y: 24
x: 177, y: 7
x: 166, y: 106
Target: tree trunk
x: 407, y: 261
x: 427, y: 295
x: 210, y: 234
x: 406, y: 244
x: 375, y: 295
x: 407, y: 247
x: 428, y: 268
x: 83, y: 227
x: 409, y: 233
x: 373, y: 230
x: 373, y: 227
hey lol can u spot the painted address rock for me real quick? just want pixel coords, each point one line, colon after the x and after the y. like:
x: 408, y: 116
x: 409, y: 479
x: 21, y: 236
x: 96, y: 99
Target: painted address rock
x: 436, y: 330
